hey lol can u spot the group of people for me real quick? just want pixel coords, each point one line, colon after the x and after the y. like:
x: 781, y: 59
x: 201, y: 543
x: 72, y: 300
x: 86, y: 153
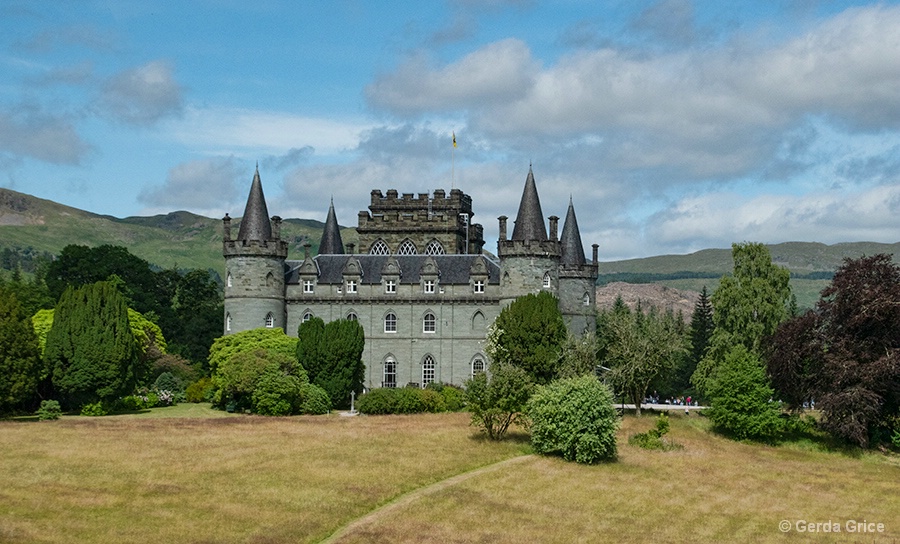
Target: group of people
x: 672, y: 401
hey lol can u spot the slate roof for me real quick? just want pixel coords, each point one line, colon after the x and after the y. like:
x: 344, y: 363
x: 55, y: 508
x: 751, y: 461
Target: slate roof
x: 255, y: 223
x: 572, y: 250
x: 454, y: 269
x: 331, y: 243
x: 530, y: 219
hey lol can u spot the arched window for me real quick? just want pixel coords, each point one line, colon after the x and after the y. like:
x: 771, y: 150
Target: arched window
x: 429, y: 323
x: 227, y: 322
x: 586, y: 299
x: 270, y: 280
x: 352, y: 316
x: 546, y: 280
x: 379, y: 248
x: 390, y: 373
x: 478, y: 321
x: 427, y: 370
x: 434, y: 248
x: 390, y: 322
x: 270, y: 320
x: 229, y: 281
x: 477, y: 365
x: 407, y: 248
x: 307, y: 315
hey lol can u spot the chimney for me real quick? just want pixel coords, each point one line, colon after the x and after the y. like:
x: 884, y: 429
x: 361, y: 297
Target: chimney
x: 350, y: 247
x: 276, y: 227
x: 595, y: 246
x: 502, y: 219
x: 306, y: 247
x: 226, y: 222
x: 554, y: 228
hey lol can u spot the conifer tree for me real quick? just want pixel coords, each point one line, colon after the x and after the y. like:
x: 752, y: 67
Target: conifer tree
x: 20, y: 363
x: 310, y: 347
x: 90, y: 348
x: 529, y: 333
x: 344, y: 369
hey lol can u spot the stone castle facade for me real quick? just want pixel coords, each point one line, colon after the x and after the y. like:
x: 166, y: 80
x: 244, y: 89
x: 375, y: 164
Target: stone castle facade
x: 419, y: 284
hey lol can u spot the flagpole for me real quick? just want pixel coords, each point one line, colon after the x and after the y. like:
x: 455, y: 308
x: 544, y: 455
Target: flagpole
x: 453, y: 163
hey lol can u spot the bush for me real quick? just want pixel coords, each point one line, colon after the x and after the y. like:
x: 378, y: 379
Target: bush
x: 315, y: 400
x: 49, y: 410
x: 409, y: 401
x: 277, y: 393
x: 454, y: 397
x: 378, y: 401
x: 167, y: 382
x: 654, y: 439
x: 199, y: 391
x: 496, y: 402
x: 94, y: 409
x: 431, y: 401
x: 574, y: 418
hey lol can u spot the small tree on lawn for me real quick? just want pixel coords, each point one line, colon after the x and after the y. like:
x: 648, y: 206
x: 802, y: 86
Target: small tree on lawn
x: 498, y: 400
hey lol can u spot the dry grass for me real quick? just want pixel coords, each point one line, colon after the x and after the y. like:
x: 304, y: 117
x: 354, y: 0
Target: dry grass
x: 252, y: 479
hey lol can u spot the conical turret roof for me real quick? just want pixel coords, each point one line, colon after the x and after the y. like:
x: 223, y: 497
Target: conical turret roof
x: 530, y: 219
x: 331, y: 243
x: 255, y: 223
x: 572, y: 250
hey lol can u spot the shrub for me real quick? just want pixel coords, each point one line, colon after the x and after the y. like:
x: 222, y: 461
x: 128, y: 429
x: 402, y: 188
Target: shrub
x: 315, y: 400
x: 199, y: 391
x: 574, y: 418
x: 277, y: 393
x: 431, y: 401
x: 409, y: 401
x: 378, y: 401
x: 167, y: 382
x: 454, y: 397
x: 654, y: 439
x: 94, y: 409
x: 49, y: 410
x: 496, y: 402
x: 165, y: 398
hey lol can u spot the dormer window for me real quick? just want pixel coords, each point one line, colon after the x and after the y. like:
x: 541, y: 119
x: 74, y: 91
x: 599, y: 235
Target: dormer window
x: 308, y: 286
x: 390, y: 286
x: 351, y: 286
x: 429, y: 286
x: 478, y: 286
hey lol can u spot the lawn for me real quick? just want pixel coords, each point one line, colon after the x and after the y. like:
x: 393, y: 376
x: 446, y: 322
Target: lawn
x: 205, y: 479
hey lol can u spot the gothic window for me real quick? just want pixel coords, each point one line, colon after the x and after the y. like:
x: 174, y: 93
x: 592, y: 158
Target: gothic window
x: 477, y: 365
x: 270, y: 280
x: 478, y: 286
x: 390, y: 286
x: 586, y: 299
x: 270, y: 320
x: 351, y: 286
x: 306, y: 316
x: 352, y: 316
x: 407, y: 248
x: 434, y: 248
x: 308, y: 286
x: 429, y: 286
x: 546, y: 280
x: 390, y: 373
x: 429, y: 323
x: 390, y: 322
x: 478, y: 321
x: 228, y: 322
x: 379, y: 248
x: 428, y: 370
x: 229, y: 281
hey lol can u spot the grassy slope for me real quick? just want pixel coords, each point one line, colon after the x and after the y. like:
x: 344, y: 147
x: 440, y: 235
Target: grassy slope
x: 253, y: 479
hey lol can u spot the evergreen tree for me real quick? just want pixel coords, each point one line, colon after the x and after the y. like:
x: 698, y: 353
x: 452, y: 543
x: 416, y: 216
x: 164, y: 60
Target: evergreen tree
x: 20, y: 362
x: 529, y: 333
x: 344, y: 369
x: 90, y: 348
x: 311, y: 347
x: 700, y: 333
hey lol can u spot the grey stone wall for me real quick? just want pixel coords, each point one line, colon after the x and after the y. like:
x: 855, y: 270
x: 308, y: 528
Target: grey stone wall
x: 254, y: 287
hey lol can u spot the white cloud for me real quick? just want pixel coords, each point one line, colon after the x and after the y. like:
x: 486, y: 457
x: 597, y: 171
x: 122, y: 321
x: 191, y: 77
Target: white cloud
x: 209, y: 187
x: 28, y: 132
x: 142, y: 95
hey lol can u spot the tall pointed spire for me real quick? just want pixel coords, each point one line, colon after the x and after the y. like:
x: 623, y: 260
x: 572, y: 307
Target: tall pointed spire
x: 572, y: 250
x: 530, y: 219
x: 255, y: 223
x: 331, y: 243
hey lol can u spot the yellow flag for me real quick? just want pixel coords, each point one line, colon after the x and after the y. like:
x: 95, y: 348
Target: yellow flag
x: 454, y: 138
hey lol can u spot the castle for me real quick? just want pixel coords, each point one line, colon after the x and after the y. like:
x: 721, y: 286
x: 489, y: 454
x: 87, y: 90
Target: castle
x: 419, y: 283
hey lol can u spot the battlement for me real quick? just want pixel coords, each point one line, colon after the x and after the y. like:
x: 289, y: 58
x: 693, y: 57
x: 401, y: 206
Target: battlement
x: 270, y: 248
x: 528, y: 248
x: 457, y: 202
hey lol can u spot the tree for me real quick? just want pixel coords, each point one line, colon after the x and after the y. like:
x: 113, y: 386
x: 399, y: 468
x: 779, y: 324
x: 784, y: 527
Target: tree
x: 741, y: 400
x: 701, y: 329
x: 847, y: 355
x: 275, y: 340
x: 344, y: 369
x: 579, y: 356
x: 498, y: 400
x: 575, y: 418
x: 90, y: 348
x: 241, y: 374
x: 639, y: 349
x: 529, y: 333
x: 747, y: 307
x: 311, y: 346
x: 20, y: 360
x: 195, y: 319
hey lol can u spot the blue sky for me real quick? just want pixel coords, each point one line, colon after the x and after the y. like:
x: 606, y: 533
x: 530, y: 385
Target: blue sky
x: 675, y: 125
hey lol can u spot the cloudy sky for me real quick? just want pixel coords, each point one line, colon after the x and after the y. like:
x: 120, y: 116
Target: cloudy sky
x: 675, y: 125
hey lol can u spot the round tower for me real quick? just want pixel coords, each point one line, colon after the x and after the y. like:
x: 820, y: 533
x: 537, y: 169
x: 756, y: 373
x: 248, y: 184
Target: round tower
x: 577, y: 279
x: 254, y: 267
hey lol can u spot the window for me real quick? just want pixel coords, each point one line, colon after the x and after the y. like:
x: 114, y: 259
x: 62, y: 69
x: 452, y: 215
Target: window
x: 434, y: 248
x: 270, y: 280
x: 477, y: 366
x: 407, y: 248
x: 390, y: 286
x: 586, y: 299
x: 270, y: 320
x: 428, y: 370
x: 351, y: 286
x: 390, y: 373
x: 308, y: 286
x: 546, y: 280
x: 429, y: 286
x: 380, y: 248
x: 228, y: 281
x: 429, y: 323
x: 228, y: 322
x: 390, y: 322
x: 478, y: 286
x: 306, y: 317
x: 352, y: 316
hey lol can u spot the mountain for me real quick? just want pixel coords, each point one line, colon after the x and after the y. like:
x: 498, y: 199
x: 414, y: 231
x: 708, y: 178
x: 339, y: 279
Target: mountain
x: 30, y: 225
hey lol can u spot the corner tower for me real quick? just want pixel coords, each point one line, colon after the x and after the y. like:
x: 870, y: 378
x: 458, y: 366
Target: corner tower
x: 254, y: 267
x: 529, y: 261
x: 577, y: 278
